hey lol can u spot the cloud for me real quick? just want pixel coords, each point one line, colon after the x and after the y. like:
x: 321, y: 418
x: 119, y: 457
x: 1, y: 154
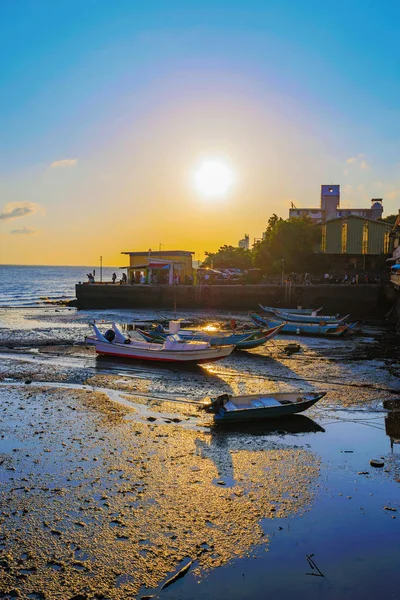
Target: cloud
x: 24, y: 231
x: 14, y: 210
x: 358, y: 160
x: 65, y: 162
x: 392, y: 195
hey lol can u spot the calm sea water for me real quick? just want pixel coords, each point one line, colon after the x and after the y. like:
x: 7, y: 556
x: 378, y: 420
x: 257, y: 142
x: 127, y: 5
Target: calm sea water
x: 38, y: 285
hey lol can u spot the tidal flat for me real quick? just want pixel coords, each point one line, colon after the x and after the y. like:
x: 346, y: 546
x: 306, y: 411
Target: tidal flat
x: 108, y: 487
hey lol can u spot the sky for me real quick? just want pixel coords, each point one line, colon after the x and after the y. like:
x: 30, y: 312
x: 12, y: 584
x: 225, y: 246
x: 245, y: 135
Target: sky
x: 108, y: 110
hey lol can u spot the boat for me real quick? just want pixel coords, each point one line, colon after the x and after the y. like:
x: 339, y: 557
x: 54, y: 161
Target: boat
x: 294, y: 311
x: 172, y: 350
x: 257, y: 407
x: 242, y: 340
x: 332, y: 329
x: 319, y: 319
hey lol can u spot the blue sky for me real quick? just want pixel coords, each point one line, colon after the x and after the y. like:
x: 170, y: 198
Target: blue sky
x: 311, y: 91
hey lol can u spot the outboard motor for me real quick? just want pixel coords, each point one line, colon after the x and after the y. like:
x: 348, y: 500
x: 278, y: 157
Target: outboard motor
x: 217, y: 404
x: 109, y: 335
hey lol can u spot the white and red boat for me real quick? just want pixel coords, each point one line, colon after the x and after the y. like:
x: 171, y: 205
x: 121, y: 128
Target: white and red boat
x: 174, y: 349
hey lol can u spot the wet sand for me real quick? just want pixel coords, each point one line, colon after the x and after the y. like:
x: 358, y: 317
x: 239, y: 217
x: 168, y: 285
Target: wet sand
x: 107, y: 488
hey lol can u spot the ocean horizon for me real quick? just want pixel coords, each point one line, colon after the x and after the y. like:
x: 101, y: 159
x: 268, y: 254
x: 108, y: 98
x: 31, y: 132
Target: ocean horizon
x: 40, y: 285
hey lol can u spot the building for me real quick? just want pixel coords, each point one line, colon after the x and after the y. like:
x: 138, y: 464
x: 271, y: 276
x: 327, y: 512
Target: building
x: 245, y: 242
x: 330, y: 207
x: 163, y: 265
x: 355, y: 242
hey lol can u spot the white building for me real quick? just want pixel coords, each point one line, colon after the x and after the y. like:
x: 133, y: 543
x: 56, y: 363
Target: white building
x: 245, y: 242
x: 330, y: 207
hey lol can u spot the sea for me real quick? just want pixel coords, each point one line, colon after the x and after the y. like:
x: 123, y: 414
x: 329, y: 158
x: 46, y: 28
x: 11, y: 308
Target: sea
x: 30, y: 286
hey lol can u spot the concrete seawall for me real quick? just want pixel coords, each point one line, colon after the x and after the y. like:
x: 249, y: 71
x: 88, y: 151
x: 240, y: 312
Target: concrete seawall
x: 362, y: 301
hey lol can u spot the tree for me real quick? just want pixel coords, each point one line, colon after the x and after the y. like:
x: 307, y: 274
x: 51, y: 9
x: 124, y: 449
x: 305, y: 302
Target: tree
x: 389, y: 219
x: 229, y: 257
x: 287, y: 244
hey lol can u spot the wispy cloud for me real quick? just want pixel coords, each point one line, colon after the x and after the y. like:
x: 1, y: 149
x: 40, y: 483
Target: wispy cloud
x: 357, y: 160
x: 64, y: 162
x: 14, y: 210
x: 24, y: 231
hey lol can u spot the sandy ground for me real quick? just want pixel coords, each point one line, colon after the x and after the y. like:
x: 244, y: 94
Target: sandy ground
x: 108, y: 487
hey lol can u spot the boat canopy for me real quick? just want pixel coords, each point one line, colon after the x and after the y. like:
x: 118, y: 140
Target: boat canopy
x: 396, y: 267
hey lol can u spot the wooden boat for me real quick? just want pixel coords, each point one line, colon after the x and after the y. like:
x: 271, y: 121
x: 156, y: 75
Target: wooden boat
x: 319, y: 319
x: 256, y: 407
x: 294, y: 311
x: 333, y: 329
x: 173, y: 349
x: 243, y: 340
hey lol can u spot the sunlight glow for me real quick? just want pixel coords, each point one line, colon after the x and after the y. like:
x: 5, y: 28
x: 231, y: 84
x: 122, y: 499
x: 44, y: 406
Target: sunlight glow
x: 213, y: 178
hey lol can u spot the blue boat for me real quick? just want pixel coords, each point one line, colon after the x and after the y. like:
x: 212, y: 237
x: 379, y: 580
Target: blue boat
x: 243, y: 341
x: 333, y: 329
x: 294, y: 311
x: 257, y: 407
x: 317, y: 319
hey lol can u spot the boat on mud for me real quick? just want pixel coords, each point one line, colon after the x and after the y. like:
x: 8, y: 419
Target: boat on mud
x: 257, y: 407
x: 172, y: 350
x: 294, y: 311
x: 245, y: 340
x: 316, y: 319
x: 297, y: 328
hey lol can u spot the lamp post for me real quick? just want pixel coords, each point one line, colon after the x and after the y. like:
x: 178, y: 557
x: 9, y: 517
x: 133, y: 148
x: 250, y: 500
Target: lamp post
x: 282, y: 269
x: 148, y: 268
x: 159, y: 247
x: 101, y: 269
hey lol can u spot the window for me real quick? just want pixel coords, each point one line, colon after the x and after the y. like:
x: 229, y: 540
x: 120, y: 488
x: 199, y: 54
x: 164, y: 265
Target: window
x: 344, y: 237
x: 365, y: 232
x: 386, y: 242
x: 323, y: 238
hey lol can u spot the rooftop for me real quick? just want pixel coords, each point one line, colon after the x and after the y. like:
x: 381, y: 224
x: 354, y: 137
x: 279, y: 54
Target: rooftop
x: 160, y: 253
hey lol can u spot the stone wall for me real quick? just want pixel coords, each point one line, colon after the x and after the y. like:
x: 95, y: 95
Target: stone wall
x: 362, y: 301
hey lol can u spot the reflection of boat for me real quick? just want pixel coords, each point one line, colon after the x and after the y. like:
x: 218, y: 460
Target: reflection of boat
x: 292, y: 311
x: 318, y: 319
x: 256, y: 407
x: 114, y: 343
x: 392, y: 420
x: 290, y: 425
x: 333, y: 329
x: 243, y: 340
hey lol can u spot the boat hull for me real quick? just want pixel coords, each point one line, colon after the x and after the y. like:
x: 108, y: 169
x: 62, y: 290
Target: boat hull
x: 243, y: 341
x: 334, y: 329
x: 294, y: 311
x: 265, y: 413
x: 309, y: 319
x: 159, y: 355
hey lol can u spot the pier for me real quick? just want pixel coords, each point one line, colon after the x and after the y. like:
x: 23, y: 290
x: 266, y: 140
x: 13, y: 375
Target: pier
x: 361, y: 300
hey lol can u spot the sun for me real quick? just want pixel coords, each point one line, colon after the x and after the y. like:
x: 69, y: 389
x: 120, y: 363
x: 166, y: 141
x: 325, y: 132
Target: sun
x: 213, y: 178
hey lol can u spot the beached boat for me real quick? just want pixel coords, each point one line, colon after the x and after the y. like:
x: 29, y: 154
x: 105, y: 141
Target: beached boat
x: 318, y: 319
x: 294, y: 311
x: 256, y: 407
x: 173, y: 350
x: 243, y: 340
x: 333, y: 329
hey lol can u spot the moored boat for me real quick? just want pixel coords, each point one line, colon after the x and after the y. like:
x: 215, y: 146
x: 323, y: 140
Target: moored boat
x: 332, y: 329
x: 257, y: 407
x: 173, y: 349
x: 242, y: 340
x: 318, y: 319
x: 294, y: 311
